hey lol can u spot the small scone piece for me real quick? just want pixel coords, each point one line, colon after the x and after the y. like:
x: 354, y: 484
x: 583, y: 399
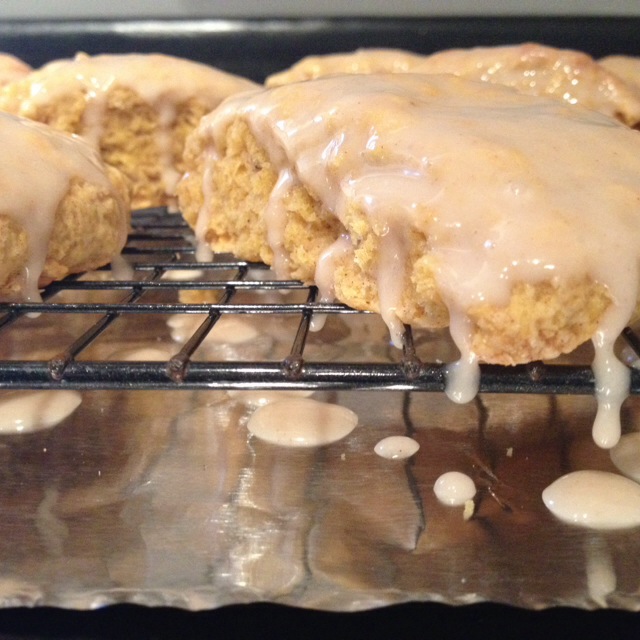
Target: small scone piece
x: 63, y: 210
x: 135, y: 109
x: 531, y: 68
x: 12, y: 68
x: 435, y: 200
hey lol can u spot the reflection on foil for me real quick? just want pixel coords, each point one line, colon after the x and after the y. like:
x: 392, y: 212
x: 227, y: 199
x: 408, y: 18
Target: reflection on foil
x: 601, y: 574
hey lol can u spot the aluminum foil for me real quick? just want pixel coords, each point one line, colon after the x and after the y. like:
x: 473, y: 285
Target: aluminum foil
x: 164, y: 498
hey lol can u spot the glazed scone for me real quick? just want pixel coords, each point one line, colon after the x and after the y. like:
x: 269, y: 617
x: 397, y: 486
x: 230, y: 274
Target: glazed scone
x: 432, y: 200
x: 12, y: 68
x: 63, y: 210
x: 531, y: 68
x: 422, y: 192
x: 136, y: 109
x: 626, y: 67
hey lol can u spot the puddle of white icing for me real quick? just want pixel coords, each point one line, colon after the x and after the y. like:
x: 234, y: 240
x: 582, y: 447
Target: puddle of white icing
x: 302, y: 422
x: 594, y: 499
x: 454, y: 488
x: 228, y: 330
x: 261, y: 397
x: 396, y: 447
x: 180, y: 275
x: 626, y: 455
x: 29, y: 411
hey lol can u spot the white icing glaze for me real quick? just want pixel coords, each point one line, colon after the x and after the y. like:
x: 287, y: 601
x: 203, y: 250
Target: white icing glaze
x: 164, y: 82
x: 324, y: 275
x: 35, y: 177
x: 275, y: 218
x: 396, y: 447
x: 594, y: 499
x: 454, y: 488
x: 463, y: 379
x: 302, y: 422
x: 391, y: 277
x: 180, y: 275
x: 612, y: 387
x: 318, y: 320
x: 29, y: 411
x: 142, y: 354
x: 532, y: 68
x: 167, y: 115
x: 447, y: 157
x: 228, y: 330
x: 626, y: 455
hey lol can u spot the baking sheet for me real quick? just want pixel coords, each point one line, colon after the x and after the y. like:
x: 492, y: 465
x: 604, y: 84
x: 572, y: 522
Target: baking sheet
x: 163, y: 497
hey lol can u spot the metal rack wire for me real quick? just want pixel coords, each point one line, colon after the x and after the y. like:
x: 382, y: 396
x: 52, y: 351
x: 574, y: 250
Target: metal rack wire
x: 161, y: 242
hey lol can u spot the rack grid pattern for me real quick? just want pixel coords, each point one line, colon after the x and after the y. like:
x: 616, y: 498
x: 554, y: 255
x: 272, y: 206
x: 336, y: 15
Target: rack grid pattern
x: 161, y: 242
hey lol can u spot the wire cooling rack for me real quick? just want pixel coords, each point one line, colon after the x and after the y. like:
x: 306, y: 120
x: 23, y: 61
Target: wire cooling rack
x: 161, y: 242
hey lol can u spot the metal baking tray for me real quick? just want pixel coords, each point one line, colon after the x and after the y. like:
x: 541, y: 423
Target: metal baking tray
x: 153, y: 492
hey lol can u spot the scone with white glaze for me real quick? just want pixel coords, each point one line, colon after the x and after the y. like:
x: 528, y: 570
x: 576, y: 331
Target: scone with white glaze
x: 531, y: 68
x: 433, y: 200
x: 63, y: 210
x: 625, y: 67
x: 135, y: 109
x: 12, y: 68
x: 513, y: 219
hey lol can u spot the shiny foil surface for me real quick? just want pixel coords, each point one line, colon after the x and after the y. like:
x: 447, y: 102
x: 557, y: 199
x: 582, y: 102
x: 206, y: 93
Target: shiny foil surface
x: 162, y: 497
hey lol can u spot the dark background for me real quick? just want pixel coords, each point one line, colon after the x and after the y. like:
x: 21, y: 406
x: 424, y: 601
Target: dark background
x: 256, y: 48
x: 412, y: 620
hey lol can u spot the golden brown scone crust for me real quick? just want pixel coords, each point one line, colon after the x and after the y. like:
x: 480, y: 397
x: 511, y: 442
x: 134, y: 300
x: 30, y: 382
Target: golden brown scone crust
x: 142, y: 138
x: 14, y: 251
x: 86, y: 233
x: 243, y: 181
x: 540, y: 321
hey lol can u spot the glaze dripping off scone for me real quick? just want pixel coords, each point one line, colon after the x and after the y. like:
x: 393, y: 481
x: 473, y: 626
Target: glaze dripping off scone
x: 435, y: 201
x: 136, y: 109
x: 63, y: 210
x: 571, y: 76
